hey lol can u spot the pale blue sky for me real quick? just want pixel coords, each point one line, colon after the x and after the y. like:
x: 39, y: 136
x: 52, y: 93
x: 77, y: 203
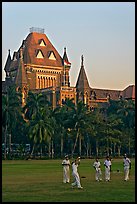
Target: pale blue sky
x: 104, y: 32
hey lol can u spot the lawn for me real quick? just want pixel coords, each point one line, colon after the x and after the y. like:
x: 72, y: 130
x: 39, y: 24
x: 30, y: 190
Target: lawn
x: 41, y: 181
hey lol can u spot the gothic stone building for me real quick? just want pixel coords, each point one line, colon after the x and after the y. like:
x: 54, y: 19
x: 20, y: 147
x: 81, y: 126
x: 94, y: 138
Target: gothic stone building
x: 37, y: 66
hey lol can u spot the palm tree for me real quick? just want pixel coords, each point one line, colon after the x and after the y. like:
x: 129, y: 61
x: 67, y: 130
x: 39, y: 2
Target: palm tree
x: 11, y: 114
x: 40, y: 130
x: 37, y: 112
x: 126, y: 111
x: 77, y: 121
x: 34, y: 102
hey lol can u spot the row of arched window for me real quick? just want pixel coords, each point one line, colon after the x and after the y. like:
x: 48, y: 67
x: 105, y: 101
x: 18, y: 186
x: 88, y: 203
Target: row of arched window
x: 44, y: 82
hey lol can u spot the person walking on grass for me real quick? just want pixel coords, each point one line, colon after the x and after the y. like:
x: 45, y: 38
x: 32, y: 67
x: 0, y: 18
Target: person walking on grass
x: 107, y: 164
x: 75, y: 173
x: 97, y: 167
x: 66, y: 171
x: 127, y: 167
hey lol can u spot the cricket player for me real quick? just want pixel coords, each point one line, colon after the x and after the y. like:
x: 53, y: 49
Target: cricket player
x: 107, y: 164
x: 97, y: 167
x: 66, y: 172
x: 127, y: 166
x: 75, y: 173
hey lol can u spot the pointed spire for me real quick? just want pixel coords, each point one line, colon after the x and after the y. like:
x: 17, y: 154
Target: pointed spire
x: 82, y: 81
x: 82, y: 59
x: 7, y: 65
x: 21, y: 78
x: 65, y: 58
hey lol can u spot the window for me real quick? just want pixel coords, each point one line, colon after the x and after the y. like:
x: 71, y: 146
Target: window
x: 42, y: 43
x: 39, y: 54
x: 51, y: 55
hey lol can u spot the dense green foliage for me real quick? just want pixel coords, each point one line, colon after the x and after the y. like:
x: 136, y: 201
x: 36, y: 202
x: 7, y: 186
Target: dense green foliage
x: 42, y: 181
x: 69, y: 129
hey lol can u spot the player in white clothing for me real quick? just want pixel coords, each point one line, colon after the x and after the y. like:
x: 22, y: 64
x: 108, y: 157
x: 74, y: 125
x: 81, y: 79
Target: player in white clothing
x: 75, y: 173
x: 97, y: 167
x: 127, y: 166
x: 66, y: 172
x: 107, y: 164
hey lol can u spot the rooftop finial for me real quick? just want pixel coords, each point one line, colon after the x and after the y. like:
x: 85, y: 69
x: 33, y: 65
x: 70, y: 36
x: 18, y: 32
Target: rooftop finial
x: 37, y: 30
x: 82, y: 59
x: 9, y: 51
x: 64, y: 49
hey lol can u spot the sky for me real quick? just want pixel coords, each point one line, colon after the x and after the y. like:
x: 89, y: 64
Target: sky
x: 103, y: 32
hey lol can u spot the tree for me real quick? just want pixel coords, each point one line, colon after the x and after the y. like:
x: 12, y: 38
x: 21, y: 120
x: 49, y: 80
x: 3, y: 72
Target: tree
x: 76, y: 121
x: 11, y: 114
x: 37, y: 112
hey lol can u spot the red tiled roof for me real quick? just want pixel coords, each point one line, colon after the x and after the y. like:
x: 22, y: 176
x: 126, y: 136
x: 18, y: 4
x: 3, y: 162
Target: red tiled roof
x: 32, y: 45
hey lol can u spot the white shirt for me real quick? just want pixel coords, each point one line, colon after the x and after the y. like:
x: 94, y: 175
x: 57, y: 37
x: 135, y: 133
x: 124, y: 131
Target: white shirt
x: 126, y: 162
x: 96, y: 165
x: 107, y: 163
x: 66, y: 162
x: 74, y: 168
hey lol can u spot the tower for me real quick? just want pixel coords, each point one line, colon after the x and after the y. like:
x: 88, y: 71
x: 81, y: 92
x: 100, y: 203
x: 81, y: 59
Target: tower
x: 82, y: 85
x: 21, y: 78
x: 66, y: 69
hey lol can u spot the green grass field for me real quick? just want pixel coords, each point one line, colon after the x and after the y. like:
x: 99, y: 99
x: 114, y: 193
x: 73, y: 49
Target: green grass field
x: 41, y: 181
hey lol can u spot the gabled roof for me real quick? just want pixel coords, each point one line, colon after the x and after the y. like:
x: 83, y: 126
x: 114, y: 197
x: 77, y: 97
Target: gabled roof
x: 82, y: 82
x: 31, y: 47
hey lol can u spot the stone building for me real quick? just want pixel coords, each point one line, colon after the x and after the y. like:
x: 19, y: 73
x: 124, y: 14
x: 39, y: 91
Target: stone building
x: 37, y: 66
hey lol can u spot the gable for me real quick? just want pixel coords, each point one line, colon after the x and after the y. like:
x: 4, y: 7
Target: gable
x: 42, y: 43
x: 52, y: 56
x: 39, y: 54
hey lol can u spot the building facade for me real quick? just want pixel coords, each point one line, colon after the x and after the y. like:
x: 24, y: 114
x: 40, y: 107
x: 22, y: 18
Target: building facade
x: 37, y: 66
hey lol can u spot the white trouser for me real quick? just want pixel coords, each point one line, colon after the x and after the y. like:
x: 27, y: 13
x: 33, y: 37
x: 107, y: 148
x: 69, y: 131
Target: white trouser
x: 126, y: 173
x: 66, y: 176
x: 107, y: 173
x: 98, y: 175
x: 76, y: 180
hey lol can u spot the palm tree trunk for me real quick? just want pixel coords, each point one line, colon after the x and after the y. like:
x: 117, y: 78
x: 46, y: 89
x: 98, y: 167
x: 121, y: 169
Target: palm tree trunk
x: 10, y: 145
x: 75, y: 143
x: 32, y: 152
x: 80, y: 145
x: 61, y: 146
x: 49, y: 148
x: 97, y: 148
x: 87, y: 148
x: 119, y: 150
x: 52, y: 149
x: 129, y: 145
x: 114, y: 148
x: 5, y: 143
x: 41, y: 151
x: 107, y: 147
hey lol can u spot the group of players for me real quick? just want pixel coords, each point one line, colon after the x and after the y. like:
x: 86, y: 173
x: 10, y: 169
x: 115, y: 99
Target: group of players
x: 97, y: 166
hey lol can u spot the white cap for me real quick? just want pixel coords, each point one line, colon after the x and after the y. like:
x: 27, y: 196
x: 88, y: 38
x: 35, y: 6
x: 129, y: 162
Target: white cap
x: 66, y: 156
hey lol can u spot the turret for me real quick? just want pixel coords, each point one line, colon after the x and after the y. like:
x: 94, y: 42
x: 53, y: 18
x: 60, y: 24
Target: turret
x: 82, y: 84
x: 66, y: 68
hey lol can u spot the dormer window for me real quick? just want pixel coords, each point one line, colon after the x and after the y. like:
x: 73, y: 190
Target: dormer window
x: 39, y: 54
x: 42, y: 43
x: 51, y: 55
